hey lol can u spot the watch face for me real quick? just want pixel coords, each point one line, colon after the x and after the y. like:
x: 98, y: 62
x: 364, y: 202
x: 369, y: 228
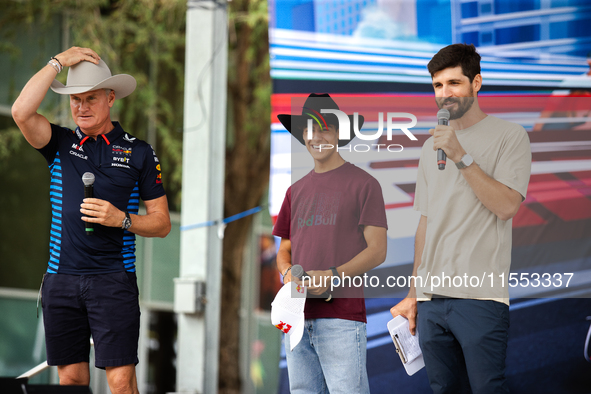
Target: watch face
x: 336, y: 281
x: 467, y: 159
x: 126, y: 223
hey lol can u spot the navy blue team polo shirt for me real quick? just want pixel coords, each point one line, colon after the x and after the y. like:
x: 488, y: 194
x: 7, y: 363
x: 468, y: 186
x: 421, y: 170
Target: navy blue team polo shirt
x: 125, y: 169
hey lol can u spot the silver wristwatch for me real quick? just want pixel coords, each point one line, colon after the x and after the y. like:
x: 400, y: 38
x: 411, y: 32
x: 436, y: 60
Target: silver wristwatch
x: 465, y: 161
x: 126, y: 224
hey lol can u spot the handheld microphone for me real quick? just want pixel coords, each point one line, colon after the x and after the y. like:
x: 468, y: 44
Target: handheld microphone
x: 442, y: 119
x: 298, y: 272
x: 88, y: 180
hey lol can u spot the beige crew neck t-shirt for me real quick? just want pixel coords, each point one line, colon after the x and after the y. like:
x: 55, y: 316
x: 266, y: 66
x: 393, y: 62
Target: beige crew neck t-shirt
x: 467, y: 250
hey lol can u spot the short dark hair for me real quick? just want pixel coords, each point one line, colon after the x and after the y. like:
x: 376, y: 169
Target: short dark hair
x: 456, y: 55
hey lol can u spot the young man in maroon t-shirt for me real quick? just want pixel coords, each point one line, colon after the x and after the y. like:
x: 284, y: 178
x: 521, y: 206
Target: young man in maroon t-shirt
x: 333, y: 223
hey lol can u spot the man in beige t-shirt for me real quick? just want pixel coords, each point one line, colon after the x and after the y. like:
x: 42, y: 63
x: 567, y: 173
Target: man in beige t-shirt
x: 463, y: 241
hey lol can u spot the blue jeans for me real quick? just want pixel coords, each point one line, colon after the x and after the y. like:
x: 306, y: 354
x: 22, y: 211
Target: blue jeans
x: 464, y: 344
x: 331, y: 357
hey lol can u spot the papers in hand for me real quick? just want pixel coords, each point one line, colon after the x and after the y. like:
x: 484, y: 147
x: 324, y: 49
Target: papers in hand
x: 407, y: 345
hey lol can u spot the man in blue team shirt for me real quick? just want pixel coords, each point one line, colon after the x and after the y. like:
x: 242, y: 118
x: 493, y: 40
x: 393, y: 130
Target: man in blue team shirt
x: 90, y: 287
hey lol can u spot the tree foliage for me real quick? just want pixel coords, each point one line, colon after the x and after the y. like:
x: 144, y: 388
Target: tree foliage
x: 10, y: 140
x: 247, y: 162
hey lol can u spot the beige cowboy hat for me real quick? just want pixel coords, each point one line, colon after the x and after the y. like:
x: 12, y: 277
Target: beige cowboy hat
x: 86, y: 76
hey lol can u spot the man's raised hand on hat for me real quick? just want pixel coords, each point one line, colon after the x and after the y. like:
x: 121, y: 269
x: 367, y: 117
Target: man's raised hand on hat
x: 75, y: 55
x: 35, y: 127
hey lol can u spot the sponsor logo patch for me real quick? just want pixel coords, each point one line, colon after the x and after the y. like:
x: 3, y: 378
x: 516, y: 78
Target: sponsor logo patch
x: 77, y: 154
x: 119, y: 165
x: 121, y: 159
x: 77, y: 147
x: 127, y: 137
x: 121, y: 150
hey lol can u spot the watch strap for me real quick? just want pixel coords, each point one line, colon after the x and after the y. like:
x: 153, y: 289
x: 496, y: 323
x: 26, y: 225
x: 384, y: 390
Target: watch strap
x: 335, y: 274
x: 334, y: 271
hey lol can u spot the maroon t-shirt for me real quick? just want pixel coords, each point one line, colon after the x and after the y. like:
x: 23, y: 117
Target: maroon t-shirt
x: 323, y: 215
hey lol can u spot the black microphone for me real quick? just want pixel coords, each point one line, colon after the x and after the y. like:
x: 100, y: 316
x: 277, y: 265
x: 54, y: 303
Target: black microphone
x: 298, y: 272
x: 442, y: 119
x: 88, y: 180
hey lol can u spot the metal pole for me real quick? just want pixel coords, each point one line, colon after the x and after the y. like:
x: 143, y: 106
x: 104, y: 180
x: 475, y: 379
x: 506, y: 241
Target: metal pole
x: 202, y: 198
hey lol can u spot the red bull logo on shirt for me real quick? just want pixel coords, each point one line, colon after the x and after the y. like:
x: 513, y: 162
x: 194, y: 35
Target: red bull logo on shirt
x: 321, y: 209
x: 318, y: 220
x: 121, y: 150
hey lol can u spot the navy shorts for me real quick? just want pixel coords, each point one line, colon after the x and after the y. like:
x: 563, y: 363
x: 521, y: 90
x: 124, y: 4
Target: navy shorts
x: 105, y: 306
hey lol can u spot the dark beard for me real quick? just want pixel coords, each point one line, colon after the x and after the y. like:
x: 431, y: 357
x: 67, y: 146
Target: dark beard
x: 464, y: 105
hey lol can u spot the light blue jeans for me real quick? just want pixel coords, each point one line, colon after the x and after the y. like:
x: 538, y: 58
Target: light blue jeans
x: 330, y: 358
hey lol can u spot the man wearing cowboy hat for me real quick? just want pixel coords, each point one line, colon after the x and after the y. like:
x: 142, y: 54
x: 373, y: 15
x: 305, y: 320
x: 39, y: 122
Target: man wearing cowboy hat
x: 90, y: 285
x: 332, y: 223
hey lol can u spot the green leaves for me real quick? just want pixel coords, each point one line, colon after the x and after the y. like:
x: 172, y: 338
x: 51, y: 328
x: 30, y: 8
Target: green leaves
x: 10, y: 140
